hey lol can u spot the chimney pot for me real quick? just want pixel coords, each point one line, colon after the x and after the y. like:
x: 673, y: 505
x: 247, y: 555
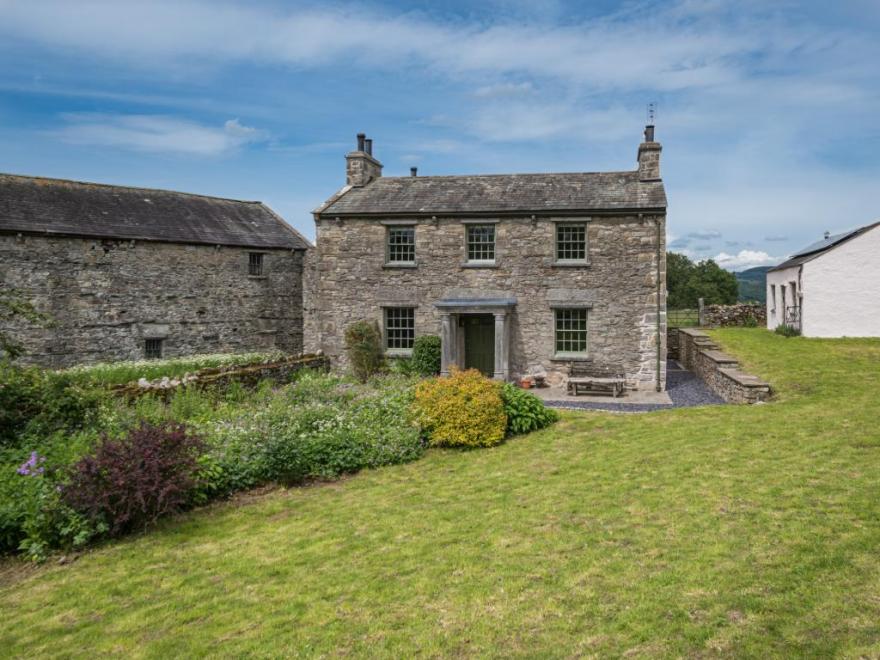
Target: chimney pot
x: 360, y: 166
x: 649, y: 133
x: 414, y: 171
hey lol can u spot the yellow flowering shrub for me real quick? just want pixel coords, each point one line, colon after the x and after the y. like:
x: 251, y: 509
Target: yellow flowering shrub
x: 464, y: 409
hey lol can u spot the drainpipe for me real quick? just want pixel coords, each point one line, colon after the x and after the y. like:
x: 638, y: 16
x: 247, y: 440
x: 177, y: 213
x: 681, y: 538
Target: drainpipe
x: 659, y: 256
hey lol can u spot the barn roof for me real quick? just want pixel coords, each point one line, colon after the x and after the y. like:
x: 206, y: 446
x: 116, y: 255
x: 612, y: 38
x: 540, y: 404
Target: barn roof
x: 499, y: 193
x: 37, y: 205
x: 821, y: 247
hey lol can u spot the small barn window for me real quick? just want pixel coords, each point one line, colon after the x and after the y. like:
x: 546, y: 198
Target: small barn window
x: 571, y: 331
x: 153, y: 349
x: 571, y: 242
x: 481, y: 243
x: 401, y: 245
x: 255, y: 263
x: 400, y: 328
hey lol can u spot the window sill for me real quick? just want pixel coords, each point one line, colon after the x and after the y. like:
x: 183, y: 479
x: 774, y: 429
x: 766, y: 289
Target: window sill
x: 402, y: 264
x: 571, y: 264
x: 480, y: 264
x: 571, y: 357
x: 258, y: 277
x: 398, y: 352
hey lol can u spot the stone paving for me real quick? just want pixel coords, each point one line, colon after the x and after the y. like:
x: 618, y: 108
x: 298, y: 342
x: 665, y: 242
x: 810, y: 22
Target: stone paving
x: 683, y: 389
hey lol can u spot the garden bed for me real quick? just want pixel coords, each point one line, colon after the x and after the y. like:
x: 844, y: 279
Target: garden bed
x: 80, y: 462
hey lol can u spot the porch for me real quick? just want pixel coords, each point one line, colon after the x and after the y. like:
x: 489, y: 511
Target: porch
x: 475, y: 333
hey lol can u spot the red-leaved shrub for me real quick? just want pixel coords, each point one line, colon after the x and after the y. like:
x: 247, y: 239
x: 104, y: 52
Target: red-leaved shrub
x: 129, y: 483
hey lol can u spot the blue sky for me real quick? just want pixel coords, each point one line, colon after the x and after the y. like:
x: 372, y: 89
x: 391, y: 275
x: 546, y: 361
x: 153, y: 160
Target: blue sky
x: 769, y: 112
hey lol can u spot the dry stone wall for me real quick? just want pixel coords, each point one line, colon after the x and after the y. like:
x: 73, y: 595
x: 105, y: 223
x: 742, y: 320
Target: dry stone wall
x: 107, y: 297
x: 281, y: 371
x: 740, y: 314
x: 720, y: 371
x: 349, y: 280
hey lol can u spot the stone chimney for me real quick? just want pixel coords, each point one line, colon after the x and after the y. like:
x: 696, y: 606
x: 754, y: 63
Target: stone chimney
x: 649, y: 156
x: 360, y: 166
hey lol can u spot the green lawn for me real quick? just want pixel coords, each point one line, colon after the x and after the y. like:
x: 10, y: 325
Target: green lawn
x: 719, y: 531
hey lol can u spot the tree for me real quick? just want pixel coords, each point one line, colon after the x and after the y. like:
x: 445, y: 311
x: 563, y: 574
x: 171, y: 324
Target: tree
x: 687, y: 282
x: 14, y: 307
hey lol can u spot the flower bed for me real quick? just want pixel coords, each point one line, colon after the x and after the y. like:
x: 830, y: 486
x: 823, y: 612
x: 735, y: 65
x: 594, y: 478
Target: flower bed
x: 57, y: 482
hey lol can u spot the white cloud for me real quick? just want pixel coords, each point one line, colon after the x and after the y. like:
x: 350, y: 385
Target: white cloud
x: 155, y: 133
x: 745, y: 259
x: 663, y: 49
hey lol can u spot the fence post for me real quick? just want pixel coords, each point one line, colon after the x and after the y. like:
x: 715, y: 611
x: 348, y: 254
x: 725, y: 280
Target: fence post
x: 702, y: 314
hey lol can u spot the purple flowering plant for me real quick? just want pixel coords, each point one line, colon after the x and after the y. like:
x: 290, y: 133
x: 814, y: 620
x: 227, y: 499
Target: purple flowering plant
x: 33, y: 467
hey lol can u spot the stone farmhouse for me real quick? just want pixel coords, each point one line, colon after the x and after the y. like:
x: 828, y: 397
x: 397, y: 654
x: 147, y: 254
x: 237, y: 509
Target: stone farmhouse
x: 129, y: 273
x: 518, y: 273
x: 830, y: 288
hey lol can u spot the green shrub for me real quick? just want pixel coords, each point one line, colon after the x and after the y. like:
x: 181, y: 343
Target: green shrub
x: 33, y: 518
x: 352, y: 428
x: 426, y: 355
x: 525, y: 412
x: 750, y: 322
x: 37, y: 402
x: 787, y: 330
x: 462, y: 410
x: 402, y: 366
x: 363, y: 344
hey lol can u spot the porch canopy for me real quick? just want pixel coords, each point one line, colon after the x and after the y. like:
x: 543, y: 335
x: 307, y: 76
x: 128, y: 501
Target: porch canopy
x: 453, y: 341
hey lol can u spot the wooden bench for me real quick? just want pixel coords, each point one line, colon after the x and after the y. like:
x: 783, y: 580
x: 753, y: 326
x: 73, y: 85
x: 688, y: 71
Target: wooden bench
x: 589, y: 377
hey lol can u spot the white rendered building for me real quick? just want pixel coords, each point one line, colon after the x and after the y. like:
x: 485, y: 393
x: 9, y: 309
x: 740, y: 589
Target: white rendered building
x: 830, y: 288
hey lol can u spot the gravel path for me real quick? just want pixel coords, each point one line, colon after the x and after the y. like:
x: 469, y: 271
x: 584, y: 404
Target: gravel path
x: 684, y: 388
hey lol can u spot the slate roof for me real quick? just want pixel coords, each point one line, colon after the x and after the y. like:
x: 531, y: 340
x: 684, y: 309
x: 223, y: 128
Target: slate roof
x: 499, y: 193
x: 821, y: 247
x: 73, y: 208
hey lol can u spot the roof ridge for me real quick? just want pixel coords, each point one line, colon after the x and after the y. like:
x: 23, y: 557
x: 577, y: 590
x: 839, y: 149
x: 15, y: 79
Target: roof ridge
x: 123, y: 187
x: 476, y: 176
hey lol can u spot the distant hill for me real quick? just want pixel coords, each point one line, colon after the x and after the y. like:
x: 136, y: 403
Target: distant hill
x: 753, y: 284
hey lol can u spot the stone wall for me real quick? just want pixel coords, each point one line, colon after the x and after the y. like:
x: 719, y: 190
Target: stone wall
x: 281, y: 371
x: 351, y: 281
x: 740, y: 314
x: 699, y: 354
x: 107, y: 297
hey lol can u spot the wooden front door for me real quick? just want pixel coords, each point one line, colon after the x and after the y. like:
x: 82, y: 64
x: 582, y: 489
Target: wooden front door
x: 479, y: 342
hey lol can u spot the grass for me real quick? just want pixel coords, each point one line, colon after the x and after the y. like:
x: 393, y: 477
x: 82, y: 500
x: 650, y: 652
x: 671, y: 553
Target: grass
x: 119, y: 373
x: 717, y: 531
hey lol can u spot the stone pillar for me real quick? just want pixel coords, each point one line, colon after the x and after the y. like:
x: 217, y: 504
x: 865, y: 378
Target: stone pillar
x: 447, y: 339
x: 502, y: 361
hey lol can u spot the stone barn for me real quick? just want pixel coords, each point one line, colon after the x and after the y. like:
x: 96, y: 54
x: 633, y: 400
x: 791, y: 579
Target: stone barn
x: 517, y: 273
x: 129, y: 273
